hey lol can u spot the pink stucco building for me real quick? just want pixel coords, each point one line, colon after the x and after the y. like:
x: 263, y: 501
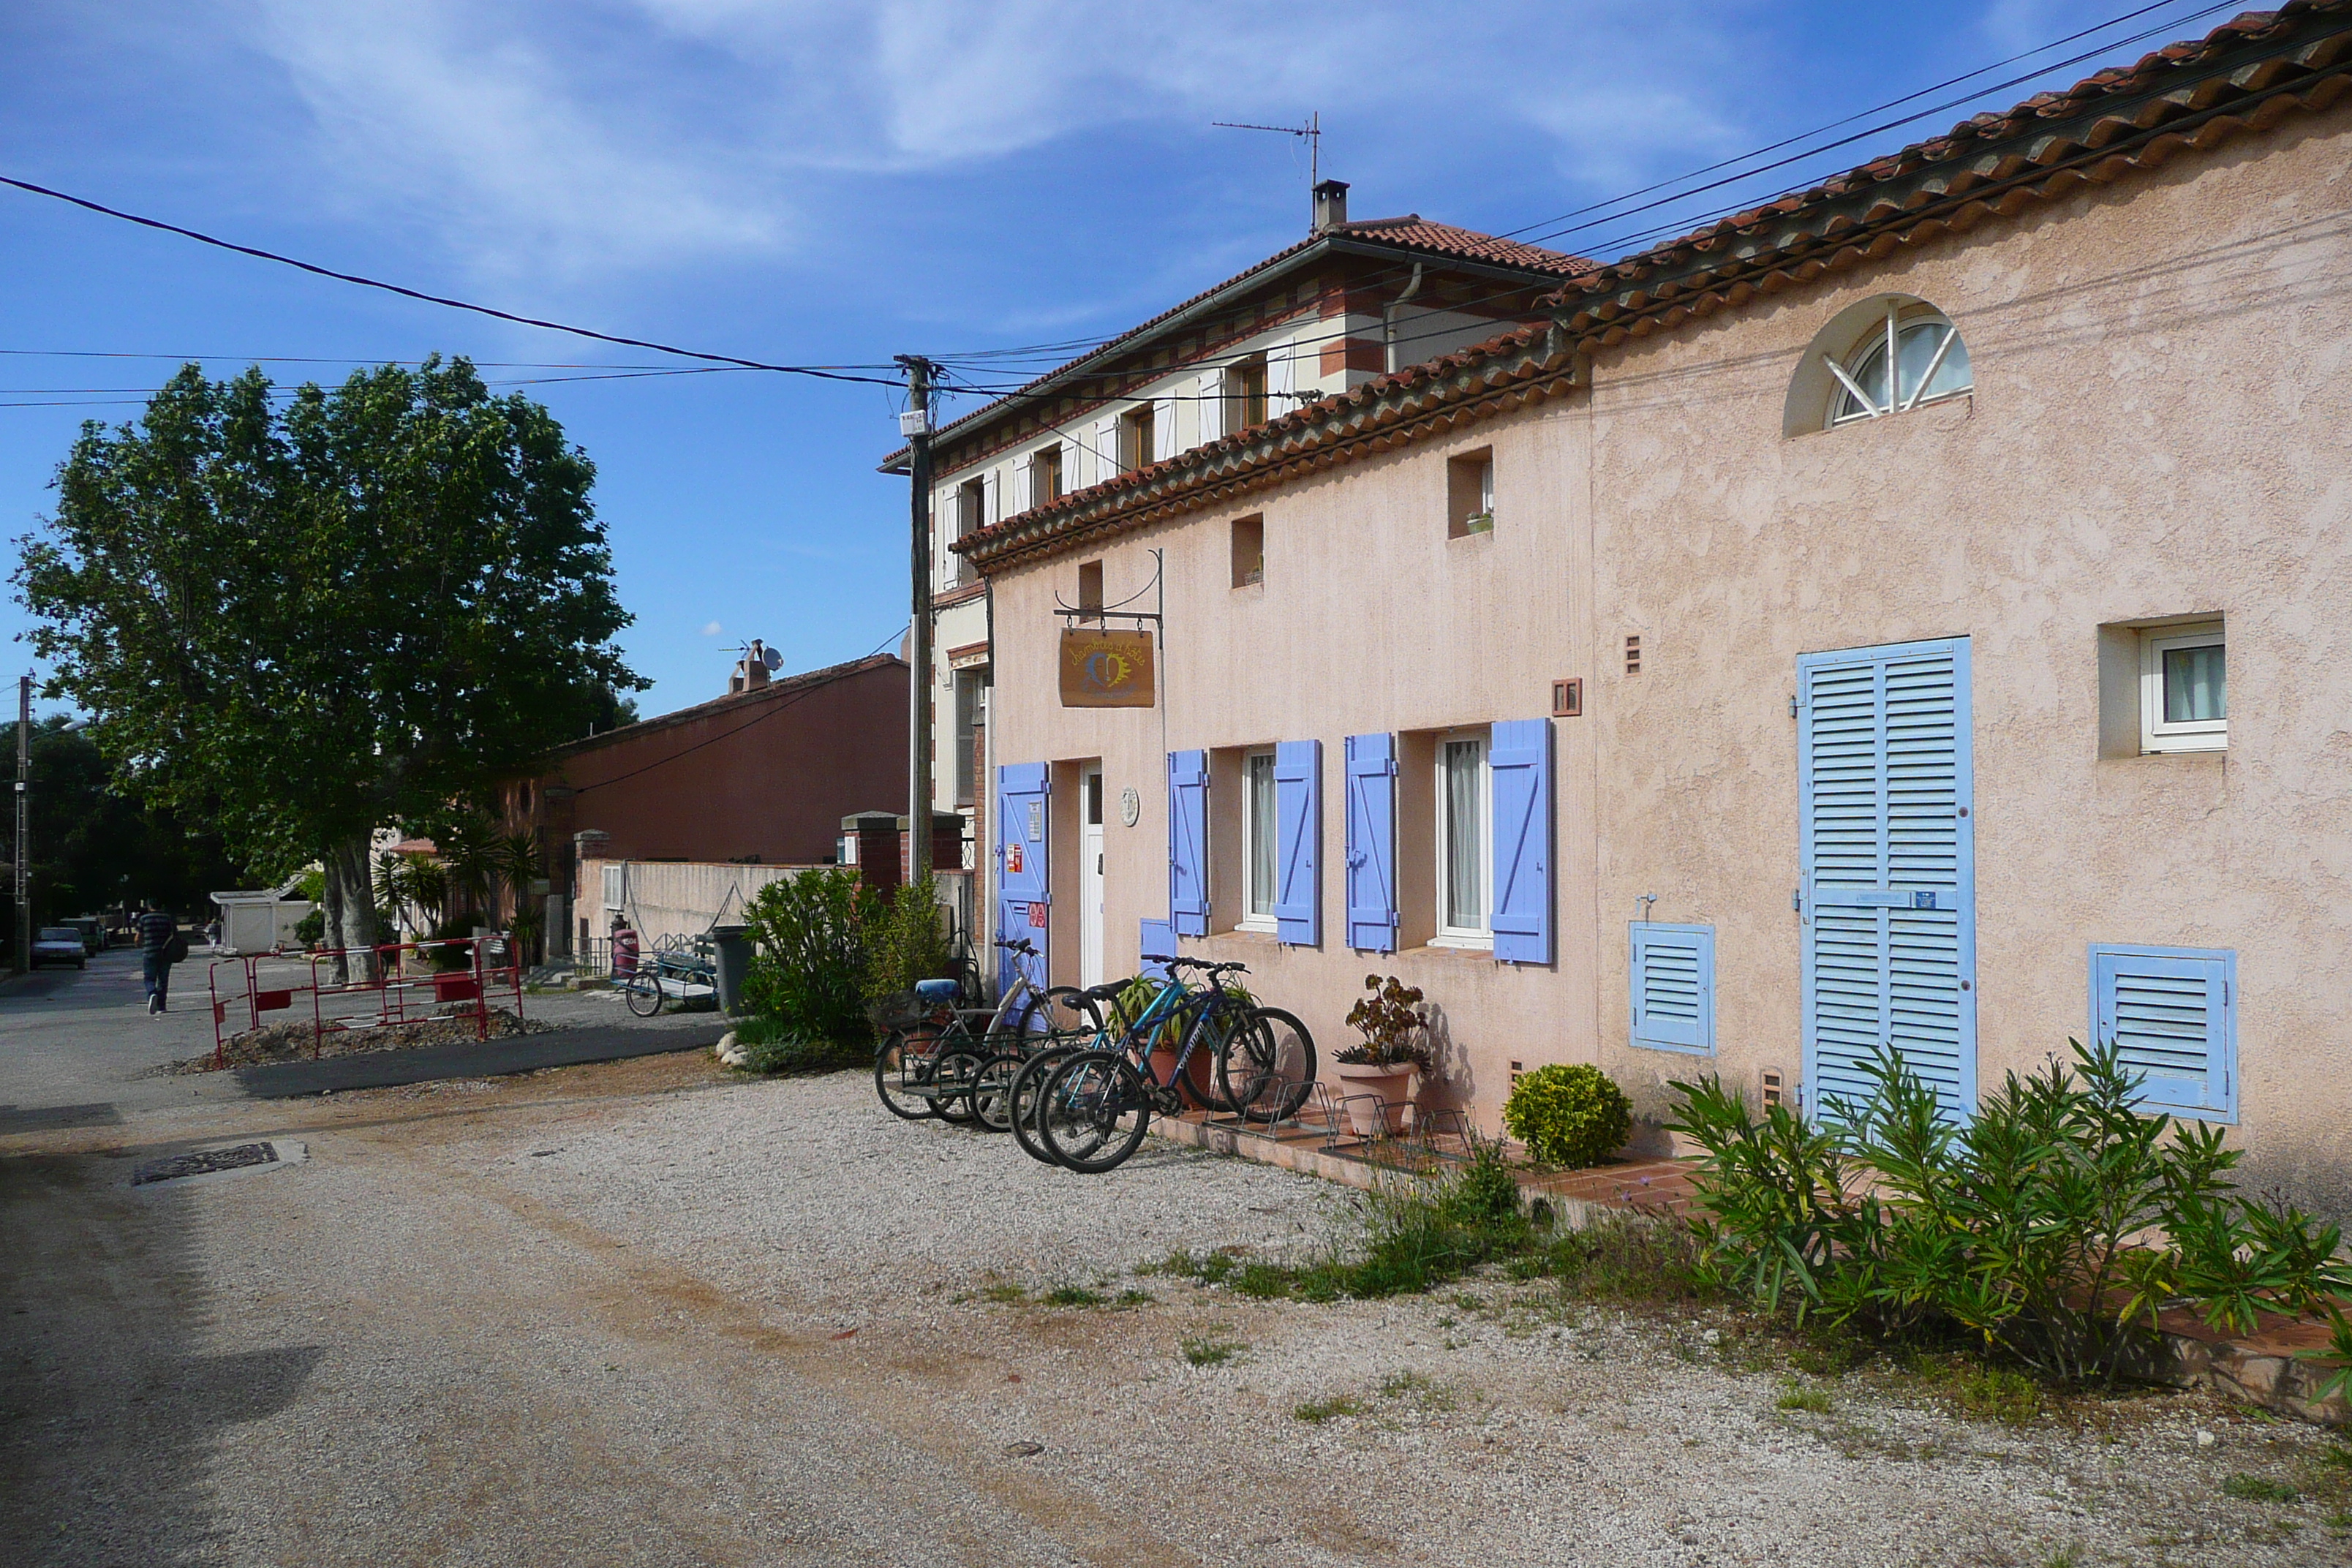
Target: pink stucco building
x: 1669, y: 686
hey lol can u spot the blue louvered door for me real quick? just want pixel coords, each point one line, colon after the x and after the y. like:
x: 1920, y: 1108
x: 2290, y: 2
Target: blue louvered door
x: 1888, y: 896
x: 1024, y: 883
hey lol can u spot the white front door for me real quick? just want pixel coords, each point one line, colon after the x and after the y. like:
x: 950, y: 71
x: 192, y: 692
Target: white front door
x: 1090, y: 879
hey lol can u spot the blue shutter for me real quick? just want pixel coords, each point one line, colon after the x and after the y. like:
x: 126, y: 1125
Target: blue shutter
x: 1188, y: 842
x: 2173, y: 1015
x: 1024, y: 890
x: 1299, y: 838
x: 1673, y: 987
x: 1158, y: 944
x: 1371, y: 843
x: 1885, y: 847
x: 1519, y: 756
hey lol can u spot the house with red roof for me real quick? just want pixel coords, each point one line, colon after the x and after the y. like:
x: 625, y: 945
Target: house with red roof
x: 1912, y: 616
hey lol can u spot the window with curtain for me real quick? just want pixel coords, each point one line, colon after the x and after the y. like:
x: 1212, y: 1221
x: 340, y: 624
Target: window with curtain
x: 1930, y: 362
x: 1462, y: 838
x: 2184, y: 690
x: 1258, y: 834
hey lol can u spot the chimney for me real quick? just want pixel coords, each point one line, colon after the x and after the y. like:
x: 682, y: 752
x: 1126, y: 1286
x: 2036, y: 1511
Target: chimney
x: 1331, y: 205
x: 750, y: 670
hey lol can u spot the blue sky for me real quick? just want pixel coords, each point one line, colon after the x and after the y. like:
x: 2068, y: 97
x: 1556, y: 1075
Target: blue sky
x: 831, y: 183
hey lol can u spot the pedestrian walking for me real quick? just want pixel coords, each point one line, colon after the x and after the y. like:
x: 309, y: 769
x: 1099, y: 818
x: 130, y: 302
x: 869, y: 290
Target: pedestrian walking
x: 161, y: 945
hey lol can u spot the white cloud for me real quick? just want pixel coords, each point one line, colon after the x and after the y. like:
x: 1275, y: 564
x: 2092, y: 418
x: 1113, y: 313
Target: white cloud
x: 561, y: 139
x: 712, y: 628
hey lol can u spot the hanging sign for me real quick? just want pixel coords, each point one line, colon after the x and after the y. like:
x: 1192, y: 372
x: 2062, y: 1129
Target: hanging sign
x: 1106, y: 669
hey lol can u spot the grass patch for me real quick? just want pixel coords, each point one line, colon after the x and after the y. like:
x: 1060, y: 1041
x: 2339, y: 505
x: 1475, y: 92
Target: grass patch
x: 772, y: 1046
x: 1314, y: 1412
x: 2340, y: 1520
x: 2258, y: 1488
x: 1127, y: 1299
x: 1073, y: 1296
x: 1795, y: 1396
x: 1997, y: 1394
x: 1210, y: 1352
x: 1425, y: 1392
x: 1267, y: 1281
x: 1206, y: 1269
x: 1004, y: 1293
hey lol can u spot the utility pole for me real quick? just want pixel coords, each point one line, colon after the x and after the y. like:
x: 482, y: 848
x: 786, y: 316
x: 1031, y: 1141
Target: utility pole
x: 24, y: 956
x: 915, y: 424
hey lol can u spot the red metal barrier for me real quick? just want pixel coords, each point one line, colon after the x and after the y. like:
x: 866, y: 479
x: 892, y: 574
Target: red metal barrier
x: 393, y: 983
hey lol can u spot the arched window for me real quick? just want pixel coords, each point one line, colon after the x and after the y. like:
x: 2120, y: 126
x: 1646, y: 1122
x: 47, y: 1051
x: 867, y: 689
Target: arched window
x: 1930, y: 364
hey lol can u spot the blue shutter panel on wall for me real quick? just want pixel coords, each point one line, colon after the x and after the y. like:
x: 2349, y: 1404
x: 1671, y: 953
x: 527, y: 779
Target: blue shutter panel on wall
x: 1023, y: 887
x: 1298, y: 839
x: 1518, y: 755
x: 1188, y: 842
x: 1371, y: 843
x: 2171, y: 1015
x: 1673, y: 986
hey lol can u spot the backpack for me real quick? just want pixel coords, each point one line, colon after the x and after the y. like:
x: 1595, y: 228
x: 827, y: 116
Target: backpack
x: 177, y: 950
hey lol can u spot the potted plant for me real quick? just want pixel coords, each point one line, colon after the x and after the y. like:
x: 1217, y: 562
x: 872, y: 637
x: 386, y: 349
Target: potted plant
x: 1394, y: 1047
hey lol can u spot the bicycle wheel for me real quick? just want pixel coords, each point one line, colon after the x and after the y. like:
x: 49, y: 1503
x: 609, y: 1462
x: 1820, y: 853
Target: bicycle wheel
x: 1266, y: 1068
x: 991, y: 1093
x: 1096, y: 1112
x: 644, y: 992
x: 1028, y: 1092
x: 899, y: 1070
x: 952, y: 1085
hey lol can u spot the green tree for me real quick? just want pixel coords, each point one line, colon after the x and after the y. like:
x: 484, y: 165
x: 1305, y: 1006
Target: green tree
x: 305, y: 623
x: 95, y: 849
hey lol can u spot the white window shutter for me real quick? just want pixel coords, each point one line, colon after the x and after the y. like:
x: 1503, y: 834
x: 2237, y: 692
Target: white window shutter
x: 1106, y: 448
x: 1213, y: 404
x: 1163, y: 429
x: 1020, y: 487
x: 1281, y: 380
x: 988, y: 499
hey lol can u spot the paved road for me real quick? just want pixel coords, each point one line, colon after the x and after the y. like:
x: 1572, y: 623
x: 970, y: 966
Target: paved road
x: 82, y: 1037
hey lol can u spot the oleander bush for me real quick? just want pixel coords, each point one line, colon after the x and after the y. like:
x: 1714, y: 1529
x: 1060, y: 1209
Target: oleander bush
x: 1571, y: 1115
x: 2050, y: 1228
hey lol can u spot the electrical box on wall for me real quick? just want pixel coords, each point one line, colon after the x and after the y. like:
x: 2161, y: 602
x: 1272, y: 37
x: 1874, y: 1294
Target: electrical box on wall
x: 1772, y: 1088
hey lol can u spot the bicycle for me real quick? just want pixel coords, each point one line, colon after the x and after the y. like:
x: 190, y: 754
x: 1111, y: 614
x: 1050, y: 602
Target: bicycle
x: 1093, y: 1113
x: 931, y: 1063
x: 1028, y: 1084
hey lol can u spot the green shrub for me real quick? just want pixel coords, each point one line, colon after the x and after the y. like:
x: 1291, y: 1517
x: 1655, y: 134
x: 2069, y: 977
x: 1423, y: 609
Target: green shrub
x: 906, y: 941
x: 809, y: 958
x: 1568, y: 1115
x: 771, y: 1046
x: 2025, y: 1229
x: 311, y: 928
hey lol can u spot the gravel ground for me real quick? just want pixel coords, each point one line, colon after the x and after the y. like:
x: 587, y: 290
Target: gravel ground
x: 644, y: 1313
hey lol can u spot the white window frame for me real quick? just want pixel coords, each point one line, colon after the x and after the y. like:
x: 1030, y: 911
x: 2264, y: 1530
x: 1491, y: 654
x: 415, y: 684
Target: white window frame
x: 1449, y: 932
x: 1845, y: 374
x: 1251, y: 920
x: 2155, y: 734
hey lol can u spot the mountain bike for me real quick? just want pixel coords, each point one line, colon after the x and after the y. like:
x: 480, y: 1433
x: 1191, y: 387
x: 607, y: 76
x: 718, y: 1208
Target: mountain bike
x: 1028, y: 1084
x: 1093, y: 1113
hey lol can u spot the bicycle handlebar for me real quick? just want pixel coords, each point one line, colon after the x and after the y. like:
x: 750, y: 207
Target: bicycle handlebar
x: 1019, y: 944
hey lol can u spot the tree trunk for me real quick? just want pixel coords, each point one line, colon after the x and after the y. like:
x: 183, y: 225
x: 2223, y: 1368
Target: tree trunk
x: 351, y: 904
x: 333, y: 933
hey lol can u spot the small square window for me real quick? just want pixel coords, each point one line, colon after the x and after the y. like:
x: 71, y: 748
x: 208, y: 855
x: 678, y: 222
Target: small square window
x: 2184, y: 692
x: 1470, y: 494
x: 1249, y: 551
x: 1090, y: 585
x: 1137, y: 438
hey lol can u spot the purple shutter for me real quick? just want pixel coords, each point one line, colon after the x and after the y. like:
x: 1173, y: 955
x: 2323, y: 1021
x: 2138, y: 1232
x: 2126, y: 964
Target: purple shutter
x: 1371, y: 843
x: 1519, y: 756
x: 1188, y: 842
x: 1299, y: 838
x: 1024, y: 891
x: 1159, y: 945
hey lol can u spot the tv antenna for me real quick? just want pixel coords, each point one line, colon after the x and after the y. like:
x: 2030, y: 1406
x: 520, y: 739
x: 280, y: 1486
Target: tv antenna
x: 1311, y: 133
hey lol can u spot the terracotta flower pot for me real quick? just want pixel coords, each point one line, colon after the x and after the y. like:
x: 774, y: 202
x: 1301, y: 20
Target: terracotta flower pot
x: 1392, y: 1081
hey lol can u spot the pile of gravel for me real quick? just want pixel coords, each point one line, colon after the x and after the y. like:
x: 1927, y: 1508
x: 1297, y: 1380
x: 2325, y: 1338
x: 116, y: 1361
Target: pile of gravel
x: 292, y: 1041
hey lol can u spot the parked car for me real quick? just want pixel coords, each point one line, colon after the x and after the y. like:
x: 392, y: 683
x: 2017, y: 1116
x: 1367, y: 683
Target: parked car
x: 59, y: 944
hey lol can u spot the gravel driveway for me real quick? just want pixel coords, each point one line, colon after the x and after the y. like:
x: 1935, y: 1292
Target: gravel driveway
x: 639, y: 1313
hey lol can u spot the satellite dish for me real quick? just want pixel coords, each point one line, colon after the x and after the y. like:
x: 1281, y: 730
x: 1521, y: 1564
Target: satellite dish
x: 773, y: 659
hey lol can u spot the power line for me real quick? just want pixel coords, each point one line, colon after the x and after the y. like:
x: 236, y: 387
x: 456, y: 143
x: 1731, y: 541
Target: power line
x: 406, y: 293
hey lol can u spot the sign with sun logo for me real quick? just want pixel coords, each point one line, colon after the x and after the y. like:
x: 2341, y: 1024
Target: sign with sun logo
x: 1106, y: 668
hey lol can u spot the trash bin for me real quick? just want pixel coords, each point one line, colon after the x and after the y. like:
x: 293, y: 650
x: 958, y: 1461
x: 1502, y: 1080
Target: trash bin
x: 732, y: 949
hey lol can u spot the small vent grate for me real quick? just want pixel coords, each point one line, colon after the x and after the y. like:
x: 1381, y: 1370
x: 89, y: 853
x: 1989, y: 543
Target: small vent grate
x: 1633, y: 656
x: 203, y: 1163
